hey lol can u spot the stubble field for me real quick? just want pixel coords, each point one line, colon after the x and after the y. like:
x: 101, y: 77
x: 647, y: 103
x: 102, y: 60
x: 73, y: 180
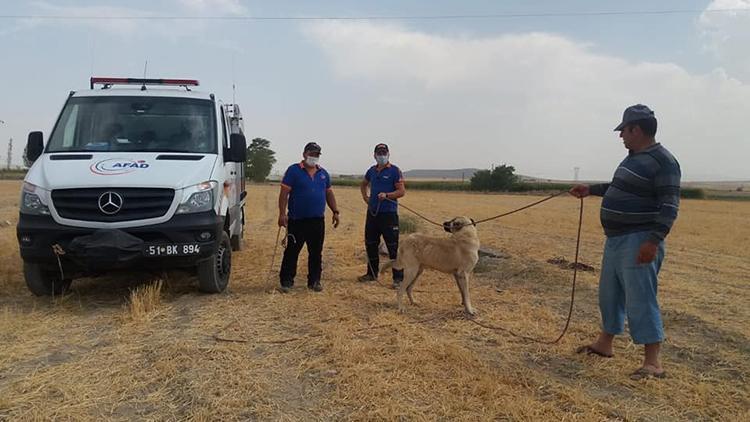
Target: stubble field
x: 120, y: 348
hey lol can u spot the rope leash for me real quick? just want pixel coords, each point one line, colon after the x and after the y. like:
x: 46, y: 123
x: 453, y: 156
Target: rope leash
x: 377, y: 211
x: 533, y: 204
x: 484, y: 220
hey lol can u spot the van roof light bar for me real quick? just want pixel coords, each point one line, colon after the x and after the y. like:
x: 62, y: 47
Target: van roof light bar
x: 107, y: 82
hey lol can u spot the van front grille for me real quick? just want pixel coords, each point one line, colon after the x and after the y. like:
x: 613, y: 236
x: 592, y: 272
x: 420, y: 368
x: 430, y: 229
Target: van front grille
x: 112, y: 204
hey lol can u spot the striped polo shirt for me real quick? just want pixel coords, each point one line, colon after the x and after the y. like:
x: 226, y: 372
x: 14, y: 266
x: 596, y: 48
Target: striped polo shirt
x: 644, y: 194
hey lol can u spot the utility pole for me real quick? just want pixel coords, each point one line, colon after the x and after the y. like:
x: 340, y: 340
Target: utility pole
x: 575, y: 173
x: 10, y: 153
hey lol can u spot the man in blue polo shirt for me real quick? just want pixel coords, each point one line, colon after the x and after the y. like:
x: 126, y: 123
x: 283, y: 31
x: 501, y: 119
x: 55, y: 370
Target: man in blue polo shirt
x: 386, y: 185
x: 305, y: 190
x: 638, y: 209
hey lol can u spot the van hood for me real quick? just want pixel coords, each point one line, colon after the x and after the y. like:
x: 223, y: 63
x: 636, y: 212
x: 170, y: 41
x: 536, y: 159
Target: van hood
x: 158, y: 170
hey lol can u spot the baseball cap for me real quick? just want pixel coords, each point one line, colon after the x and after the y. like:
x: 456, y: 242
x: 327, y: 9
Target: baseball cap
x: 633, y: 113
x: 381, y: 147
x: 312, y: 147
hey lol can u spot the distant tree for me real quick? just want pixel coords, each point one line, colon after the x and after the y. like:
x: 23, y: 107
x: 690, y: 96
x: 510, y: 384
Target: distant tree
x: 260, y: 160
x: 498, y: 179
x: 481, y: 180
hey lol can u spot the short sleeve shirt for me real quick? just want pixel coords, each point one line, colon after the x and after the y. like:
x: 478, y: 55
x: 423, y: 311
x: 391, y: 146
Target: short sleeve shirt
x: 307, y: 194
x: 388, y: 179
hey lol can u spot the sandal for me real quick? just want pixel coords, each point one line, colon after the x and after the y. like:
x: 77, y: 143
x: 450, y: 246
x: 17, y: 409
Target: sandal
x: 591, y: 351
x: 643, y: 373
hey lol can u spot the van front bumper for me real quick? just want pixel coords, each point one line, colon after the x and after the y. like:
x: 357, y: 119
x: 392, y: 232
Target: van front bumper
x: 42, y: 240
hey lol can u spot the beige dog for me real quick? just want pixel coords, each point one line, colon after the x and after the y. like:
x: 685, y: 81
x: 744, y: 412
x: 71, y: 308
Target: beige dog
x: 456, y: 254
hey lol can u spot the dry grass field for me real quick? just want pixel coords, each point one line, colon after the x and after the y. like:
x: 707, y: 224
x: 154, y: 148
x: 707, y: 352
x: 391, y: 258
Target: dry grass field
x: 148, y: 346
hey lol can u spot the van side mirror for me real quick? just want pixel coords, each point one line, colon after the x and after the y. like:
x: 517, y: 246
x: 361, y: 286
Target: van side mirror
x: 34, y: 146
x: 237, y: 151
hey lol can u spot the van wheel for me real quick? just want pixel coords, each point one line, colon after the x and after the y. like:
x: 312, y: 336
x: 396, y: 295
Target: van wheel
x: 213, y: 273
x: 42, y: 282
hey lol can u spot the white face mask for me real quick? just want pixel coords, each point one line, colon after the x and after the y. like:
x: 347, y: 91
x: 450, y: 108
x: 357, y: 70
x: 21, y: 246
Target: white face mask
x: 311, y: 161
x: 382, y: 159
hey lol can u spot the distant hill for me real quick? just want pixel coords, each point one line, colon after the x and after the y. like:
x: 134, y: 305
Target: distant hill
x: 433, y: 174
x: 454, y: 174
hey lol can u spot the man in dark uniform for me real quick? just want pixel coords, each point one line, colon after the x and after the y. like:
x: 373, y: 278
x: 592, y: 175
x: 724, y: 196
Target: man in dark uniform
x: 305, y: 189
x: 386, y: 185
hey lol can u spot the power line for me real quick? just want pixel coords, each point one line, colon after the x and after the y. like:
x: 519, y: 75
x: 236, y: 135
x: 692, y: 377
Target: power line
x: 381, y: 17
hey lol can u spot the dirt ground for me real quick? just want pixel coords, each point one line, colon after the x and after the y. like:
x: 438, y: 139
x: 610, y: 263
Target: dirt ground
x: 255, y: 354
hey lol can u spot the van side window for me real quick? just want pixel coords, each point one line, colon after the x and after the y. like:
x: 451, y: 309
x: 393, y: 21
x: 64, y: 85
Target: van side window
x: 225, y: 141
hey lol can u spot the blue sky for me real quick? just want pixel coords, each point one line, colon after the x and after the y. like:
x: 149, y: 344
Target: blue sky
x: 541, y: 93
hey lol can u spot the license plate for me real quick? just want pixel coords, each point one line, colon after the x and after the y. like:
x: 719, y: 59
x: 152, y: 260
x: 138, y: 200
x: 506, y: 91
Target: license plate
x: 183, y: 249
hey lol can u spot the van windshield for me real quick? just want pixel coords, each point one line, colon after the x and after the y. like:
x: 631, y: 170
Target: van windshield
x: 135, y: 124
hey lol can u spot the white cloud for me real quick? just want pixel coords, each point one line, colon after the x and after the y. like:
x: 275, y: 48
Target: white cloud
x: 539, y: 101
x: 727, y: 35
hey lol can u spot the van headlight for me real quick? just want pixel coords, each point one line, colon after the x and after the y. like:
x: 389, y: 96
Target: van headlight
x: 31, y: 202
x: 200, y: 198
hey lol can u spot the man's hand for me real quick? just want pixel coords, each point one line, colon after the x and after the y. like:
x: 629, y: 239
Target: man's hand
x: 335, y: 220
x: 382, y: 196
x: 283, y: 220
x: 579, y: 191
x: 647, y: 253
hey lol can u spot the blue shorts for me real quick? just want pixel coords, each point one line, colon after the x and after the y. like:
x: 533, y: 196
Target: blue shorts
x: 629, y: 288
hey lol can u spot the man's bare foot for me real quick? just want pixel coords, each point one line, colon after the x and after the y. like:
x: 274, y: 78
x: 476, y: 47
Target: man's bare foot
x: 648, y: 371
x: 592, y: 350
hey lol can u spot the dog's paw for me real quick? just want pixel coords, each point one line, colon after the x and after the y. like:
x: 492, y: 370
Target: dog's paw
x: 471, y: 312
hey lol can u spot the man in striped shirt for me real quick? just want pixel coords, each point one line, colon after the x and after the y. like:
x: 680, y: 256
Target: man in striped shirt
x: 638, y: 209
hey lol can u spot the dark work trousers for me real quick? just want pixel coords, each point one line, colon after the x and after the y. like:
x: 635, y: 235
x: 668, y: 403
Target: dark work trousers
x: 383, y: 224
x: 307, y: 230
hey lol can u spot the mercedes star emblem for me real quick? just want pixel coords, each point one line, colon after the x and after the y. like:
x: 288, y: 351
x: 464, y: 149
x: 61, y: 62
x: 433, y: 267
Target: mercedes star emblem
x: 110, y: 203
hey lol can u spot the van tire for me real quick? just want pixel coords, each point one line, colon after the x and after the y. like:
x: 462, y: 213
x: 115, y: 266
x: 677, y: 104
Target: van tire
x: 42, y: 282
x: 213, y: 273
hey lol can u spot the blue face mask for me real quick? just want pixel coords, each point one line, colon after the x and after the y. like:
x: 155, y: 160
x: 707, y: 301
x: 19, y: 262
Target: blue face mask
x: 381, y: 159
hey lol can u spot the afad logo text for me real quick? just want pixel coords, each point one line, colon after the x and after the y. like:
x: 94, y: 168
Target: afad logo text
x: 116, y: 166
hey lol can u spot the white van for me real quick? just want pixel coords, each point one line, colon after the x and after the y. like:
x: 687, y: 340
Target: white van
x: 137, y: 173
